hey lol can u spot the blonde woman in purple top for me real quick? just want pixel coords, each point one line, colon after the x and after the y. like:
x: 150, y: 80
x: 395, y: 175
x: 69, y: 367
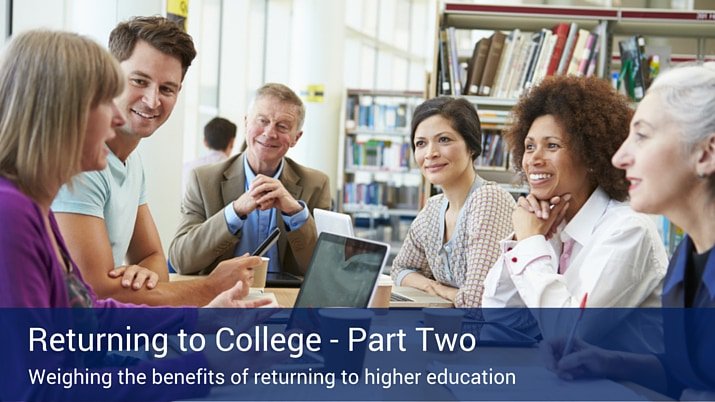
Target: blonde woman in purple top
x: 56, y: 112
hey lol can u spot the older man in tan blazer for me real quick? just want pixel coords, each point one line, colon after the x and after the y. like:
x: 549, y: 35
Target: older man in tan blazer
x: 230, y: 207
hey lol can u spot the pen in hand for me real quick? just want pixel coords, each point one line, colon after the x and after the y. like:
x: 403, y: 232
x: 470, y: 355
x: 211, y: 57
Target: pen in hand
x: 572, y: 335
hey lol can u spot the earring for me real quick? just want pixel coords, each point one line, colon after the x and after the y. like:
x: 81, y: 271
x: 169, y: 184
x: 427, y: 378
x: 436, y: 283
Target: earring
x: 701, y: 175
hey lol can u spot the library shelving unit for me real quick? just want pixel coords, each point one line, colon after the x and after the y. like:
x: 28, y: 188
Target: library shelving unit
x: 378, y: 176
x: 614, y: 24
x: 698, y: 25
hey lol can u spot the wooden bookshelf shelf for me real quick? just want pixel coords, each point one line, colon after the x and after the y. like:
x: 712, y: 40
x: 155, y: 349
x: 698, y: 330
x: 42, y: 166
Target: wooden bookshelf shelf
x: 492, y: 102
x: 528, y: 18
x: 379, y: 169
x: 666, y: 23
x: 380, y: 133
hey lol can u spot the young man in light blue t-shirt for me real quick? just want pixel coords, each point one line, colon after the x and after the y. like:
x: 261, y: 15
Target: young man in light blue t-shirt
x: 104, y: 217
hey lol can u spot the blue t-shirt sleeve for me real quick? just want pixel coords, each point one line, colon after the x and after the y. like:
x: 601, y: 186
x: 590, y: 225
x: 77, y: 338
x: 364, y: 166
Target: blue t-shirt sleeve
x: 295, y: 222
x: 142, y: 191
x: 89, y: 194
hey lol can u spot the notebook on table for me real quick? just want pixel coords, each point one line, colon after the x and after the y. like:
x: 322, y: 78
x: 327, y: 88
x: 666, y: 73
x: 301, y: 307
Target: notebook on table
x: 403, y: 296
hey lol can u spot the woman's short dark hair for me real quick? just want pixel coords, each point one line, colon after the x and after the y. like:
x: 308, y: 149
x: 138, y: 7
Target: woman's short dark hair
x: 595, y: 117
x: 460, y: 113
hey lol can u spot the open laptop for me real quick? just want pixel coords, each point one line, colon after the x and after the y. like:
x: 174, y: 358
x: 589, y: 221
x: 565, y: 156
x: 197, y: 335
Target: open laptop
x: 343, y: 272
x: 403, y: 296
x: 333, y: 222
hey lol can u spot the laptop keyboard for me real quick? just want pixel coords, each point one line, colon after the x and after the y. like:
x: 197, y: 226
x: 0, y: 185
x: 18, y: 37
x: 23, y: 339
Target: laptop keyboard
x: 398, y: 298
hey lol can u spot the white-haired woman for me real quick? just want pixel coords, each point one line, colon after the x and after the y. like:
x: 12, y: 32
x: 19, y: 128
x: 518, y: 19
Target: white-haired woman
x: 669, y: 159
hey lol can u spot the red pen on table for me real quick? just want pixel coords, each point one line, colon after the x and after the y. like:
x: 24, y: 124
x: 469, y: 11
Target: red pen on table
x: 572, y: 335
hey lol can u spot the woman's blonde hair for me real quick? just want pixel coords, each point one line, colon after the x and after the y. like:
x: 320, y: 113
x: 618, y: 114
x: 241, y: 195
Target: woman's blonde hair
x: 49, y: 81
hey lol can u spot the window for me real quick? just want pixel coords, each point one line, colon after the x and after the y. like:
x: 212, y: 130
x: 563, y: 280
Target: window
x: 388, y: 43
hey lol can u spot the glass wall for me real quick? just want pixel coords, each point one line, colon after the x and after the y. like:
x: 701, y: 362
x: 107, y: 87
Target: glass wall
x: 389, y: 43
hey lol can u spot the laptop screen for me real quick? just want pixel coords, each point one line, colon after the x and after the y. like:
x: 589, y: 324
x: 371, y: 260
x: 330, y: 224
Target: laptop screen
x: 332, y: 222
x: 342, y: 273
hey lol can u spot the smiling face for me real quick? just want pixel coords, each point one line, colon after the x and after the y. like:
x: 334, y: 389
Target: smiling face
x: 101, y: 122
x: 271, y: 130
x: 550, y: 165
x: 440, y: 152
x: 659, y: 170
x: 153, y: 84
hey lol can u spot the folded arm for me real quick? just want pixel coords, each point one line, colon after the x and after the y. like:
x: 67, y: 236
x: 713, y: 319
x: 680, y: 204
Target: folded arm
x: 302, y: 240
x: 89, y: 246
x: 145, y: 246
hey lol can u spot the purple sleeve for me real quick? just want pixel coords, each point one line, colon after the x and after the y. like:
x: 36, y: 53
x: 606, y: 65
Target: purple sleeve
x: 32, y: 277
x: 26, y: 263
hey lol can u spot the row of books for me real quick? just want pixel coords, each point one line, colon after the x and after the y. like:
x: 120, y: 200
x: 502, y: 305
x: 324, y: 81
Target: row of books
x: 505, y: 65
x: 379, y: 193
x: 380, y: 154
x: 377, y: 113
x: 635, y: 67
x: 493, y: 151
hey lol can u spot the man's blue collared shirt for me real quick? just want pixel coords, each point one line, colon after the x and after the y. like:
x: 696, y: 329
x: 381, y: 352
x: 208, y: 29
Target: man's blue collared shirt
x: 259, y: 224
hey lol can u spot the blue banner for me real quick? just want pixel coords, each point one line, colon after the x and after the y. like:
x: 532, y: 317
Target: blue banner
x: 347, y: 354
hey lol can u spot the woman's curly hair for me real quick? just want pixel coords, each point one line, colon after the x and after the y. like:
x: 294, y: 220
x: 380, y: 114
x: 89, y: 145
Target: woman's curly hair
x: 595, y: 117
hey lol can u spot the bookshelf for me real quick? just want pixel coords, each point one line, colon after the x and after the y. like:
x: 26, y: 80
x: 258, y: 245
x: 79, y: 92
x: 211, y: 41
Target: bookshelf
x: 608, y: 24
x: 378, y: 176
x: 378, y: 181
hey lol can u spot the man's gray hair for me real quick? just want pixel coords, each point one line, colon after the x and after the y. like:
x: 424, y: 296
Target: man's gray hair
x: 284, y: 94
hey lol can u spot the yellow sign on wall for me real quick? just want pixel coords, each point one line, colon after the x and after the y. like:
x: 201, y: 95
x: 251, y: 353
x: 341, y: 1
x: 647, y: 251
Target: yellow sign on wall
x: 314, y: 93
x: 178, y: 11
x: 178, y: 7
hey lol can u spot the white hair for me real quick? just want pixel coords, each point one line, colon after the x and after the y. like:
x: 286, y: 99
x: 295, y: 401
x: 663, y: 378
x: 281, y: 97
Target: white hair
x: 688, y: 94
